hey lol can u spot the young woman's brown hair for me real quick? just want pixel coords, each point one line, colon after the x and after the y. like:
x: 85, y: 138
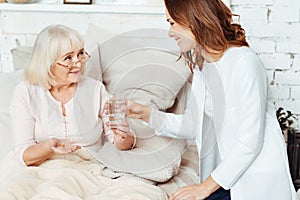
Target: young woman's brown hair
x: 211, y: 22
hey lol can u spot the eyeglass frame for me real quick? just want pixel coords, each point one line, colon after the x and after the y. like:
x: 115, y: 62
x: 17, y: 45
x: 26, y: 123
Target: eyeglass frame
x: 69, y: 66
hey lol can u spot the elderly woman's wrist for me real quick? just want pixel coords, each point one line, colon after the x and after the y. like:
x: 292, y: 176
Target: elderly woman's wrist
x: 134, y: 138
x: 146, y: 114
x: 49, y: 144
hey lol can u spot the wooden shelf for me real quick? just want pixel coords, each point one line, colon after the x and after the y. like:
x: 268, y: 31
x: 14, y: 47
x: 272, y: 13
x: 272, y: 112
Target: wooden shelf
x: 80, y: 8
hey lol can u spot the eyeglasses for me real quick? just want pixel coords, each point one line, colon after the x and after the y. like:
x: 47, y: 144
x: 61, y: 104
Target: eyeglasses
x: 68, y: 60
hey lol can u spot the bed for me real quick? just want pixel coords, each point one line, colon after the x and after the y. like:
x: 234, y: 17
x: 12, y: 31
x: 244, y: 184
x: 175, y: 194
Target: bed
x: 140, y: 64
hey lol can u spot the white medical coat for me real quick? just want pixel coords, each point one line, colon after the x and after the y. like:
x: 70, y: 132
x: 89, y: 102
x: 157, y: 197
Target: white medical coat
x: 253, y: 160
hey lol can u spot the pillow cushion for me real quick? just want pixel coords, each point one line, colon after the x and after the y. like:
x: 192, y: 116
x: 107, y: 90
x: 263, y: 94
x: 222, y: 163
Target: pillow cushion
x: 149, y: 76
x: 155, y: 158
x: 8, y: 81
x: 188, y: 172
x: 143, y: 66
x: 94, y: 36
x: 21, y: 55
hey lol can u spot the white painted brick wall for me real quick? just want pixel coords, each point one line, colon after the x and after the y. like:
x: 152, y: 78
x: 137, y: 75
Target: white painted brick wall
x: 271, y: 75
x: 250, y: 14
x: 272, y: 29
x: 284, y: 46
x: 276, y: 61
x: 296, y: 62
x: 252, y: 2
x: 288, y: 77
x: 284, y: 14
x: 295, y: 92
x: 260, y: 45
x: 281, y: 92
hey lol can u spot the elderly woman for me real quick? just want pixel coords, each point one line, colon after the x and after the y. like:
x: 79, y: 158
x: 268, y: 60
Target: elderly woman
x: 57, y: 110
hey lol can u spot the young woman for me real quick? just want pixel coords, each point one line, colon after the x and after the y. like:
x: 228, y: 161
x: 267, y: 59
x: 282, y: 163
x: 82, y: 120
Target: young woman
x: 57, y: 110
x: 242, y: 154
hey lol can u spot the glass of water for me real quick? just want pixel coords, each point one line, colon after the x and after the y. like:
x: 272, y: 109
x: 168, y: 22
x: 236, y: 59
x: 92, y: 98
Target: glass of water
x: 117, y: 111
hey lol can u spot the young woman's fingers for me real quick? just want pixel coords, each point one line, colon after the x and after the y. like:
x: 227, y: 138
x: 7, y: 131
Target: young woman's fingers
x: 123, y: 133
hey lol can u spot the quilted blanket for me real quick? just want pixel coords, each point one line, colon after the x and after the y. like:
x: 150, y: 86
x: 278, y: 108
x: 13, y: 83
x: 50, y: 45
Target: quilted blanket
x: 70, y: 177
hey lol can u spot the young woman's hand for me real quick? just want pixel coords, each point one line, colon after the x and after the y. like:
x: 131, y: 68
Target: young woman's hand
x: 197, y: 191
x: 191, y: 192
x: 138, y: 111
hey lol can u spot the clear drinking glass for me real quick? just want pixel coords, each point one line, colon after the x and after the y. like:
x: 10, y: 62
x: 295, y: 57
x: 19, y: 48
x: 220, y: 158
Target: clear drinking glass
x: 117, y: 111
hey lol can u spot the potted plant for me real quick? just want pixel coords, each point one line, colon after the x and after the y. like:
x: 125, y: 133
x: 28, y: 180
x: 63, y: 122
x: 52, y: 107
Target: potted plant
x: 286, y: 120
x: 292, y: 136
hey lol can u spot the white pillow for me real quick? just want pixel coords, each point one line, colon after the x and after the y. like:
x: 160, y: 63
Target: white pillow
x: 93, y: 36
x: 142, y: 65
x: 150, y: 76
x: 21, y: 55
x: 188, y: 173
x: 8, y: 81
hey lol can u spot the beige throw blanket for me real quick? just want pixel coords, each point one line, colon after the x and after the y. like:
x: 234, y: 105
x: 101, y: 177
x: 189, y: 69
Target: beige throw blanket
x: 75, y: 176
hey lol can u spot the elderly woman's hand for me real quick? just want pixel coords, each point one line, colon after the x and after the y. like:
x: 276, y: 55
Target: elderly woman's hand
x: 138, y: 111
x: 124, y: 139
x: 62, y: 146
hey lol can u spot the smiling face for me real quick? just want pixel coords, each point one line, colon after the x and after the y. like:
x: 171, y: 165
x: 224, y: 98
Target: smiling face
x: 69, y: 67
x: 183, y: 35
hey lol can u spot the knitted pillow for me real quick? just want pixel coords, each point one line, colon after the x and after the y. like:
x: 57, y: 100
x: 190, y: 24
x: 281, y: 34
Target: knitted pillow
x: 8, y: 81
x: 188, y: 172
x: 142, y: 65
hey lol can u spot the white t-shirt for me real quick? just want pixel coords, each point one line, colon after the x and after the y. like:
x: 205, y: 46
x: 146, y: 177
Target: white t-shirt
x: 36, y: 116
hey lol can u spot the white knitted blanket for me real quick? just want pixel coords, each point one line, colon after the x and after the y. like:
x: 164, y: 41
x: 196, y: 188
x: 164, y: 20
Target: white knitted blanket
x: 71, y: 177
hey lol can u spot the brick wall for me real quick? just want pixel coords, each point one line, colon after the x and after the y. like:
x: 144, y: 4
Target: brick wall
x: 273, y: 31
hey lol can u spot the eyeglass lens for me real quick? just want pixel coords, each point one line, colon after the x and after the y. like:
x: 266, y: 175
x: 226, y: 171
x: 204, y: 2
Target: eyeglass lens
x: 69, y: 61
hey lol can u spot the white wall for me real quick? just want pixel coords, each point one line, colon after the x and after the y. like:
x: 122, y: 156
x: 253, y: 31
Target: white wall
x: 273, y: 31
x: 25, y: 21
x: 272, y: 28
